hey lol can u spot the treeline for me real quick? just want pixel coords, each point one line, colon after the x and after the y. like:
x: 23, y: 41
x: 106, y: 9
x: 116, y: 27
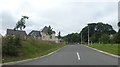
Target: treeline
x: 96, y: 32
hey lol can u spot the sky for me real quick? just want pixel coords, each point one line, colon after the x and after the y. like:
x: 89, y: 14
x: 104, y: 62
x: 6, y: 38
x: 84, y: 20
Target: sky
x: 66, y: 16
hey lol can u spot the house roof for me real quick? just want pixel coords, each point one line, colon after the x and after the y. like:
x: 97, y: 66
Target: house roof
x: 34, y: 32
x: 45, y: 30
x: 16, y: 32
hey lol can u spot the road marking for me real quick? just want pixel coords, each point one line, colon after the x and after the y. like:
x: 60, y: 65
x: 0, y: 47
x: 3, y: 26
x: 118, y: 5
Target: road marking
x: 103, y: 52
x: 78, y: 55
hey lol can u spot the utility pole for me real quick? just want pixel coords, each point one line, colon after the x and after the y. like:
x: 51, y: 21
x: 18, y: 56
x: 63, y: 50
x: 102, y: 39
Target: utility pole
x: 81, y: 37
x: 88, y: 34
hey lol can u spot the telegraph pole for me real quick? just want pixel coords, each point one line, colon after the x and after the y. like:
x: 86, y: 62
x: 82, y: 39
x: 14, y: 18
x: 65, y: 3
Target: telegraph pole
x: 81, y: 37
x: 88, y: 34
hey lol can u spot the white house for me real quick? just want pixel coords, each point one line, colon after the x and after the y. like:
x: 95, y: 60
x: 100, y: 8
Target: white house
x: 43, y: 35
x: 46, y: 36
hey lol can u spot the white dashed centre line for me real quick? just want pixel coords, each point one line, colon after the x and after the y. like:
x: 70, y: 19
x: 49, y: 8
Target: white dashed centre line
x: 78, y: 55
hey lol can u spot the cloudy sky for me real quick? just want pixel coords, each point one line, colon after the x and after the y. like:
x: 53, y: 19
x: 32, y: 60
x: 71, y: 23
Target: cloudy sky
x: 66, y: 16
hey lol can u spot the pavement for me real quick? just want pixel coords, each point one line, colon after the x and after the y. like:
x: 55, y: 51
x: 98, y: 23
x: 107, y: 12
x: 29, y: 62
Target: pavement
x: 74, y: 55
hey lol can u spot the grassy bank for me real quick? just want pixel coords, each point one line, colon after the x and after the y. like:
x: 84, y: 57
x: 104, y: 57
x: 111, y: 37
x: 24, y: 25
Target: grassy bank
x: 32, y: 49
x: 110, y: 48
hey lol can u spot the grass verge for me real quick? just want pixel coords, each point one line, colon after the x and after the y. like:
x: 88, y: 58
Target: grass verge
x: 110, y: 48
x: 31, y: 49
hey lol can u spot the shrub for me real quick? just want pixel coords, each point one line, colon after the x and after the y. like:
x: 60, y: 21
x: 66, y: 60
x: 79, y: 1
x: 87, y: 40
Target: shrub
x: 11, y: 45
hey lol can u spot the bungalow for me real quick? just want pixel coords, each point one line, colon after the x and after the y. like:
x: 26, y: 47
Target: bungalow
x: 19, y: 33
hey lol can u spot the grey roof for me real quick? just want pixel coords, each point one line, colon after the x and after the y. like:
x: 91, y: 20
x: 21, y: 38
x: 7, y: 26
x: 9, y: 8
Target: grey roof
x: 35, y: 33
x: 16, y: 32
x: 45, y: 30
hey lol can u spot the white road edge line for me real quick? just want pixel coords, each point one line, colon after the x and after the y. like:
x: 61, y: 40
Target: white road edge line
x: 78, y: 55
x: 103, y: 52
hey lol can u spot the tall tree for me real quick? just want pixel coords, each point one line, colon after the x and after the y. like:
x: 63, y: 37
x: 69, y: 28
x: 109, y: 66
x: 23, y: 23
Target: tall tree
x: 93, y: 38
x: 96, y: 30
x: 59, y: 35
x: 49, y: 32
x: 21, y: 23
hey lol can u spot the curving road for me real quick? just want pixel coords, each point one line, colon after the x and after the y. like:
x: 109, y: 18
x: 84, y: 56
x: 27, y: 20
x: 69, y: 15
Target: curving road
x: 74, y: 55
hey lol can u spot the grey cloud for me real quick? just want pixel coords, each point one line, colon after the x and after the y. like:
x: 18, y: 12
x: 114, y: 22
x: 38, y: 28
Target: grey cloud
x: 67, y: 16
x: 8, y: 20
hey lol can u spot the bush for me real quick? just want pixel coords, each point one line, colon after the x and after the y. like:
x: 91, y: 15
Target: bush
x: 11, y: 46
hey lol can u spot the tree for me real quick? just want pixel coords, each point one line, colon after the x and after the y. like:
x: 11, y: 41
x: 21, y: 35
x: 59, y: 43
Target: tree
x: 96, y: 30
x: 105, y: 39
x: 72, y: 38
x: 59, y: 35
x: 49, y: 32
x: 93, y: 38
x: 21, y: 24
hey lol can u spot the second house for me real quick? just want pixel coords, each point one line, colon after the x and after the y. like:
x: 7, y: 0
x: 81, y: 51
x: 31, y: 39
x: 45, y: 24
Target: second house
x: 43, y: 35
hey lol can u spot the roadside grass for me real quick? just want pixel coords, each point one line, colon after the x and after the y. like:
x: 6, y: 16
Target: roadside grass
x: 31, y: 49
x: 110, y: 48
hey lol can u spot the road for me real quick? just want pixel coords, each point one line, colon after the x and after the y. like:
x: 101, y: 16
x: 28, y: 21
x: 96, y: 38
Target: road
x: 74, y: 55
